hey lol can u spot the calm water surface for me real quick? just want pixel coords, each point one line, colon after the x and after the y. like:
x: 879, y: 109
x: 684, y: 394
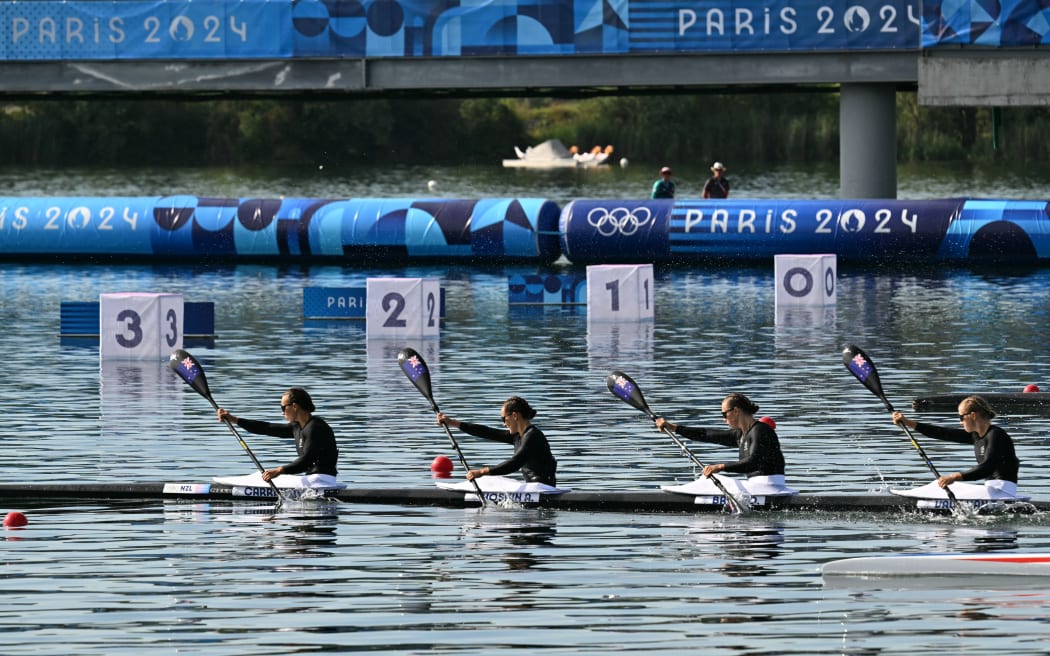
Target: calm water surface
x: 237, y: 579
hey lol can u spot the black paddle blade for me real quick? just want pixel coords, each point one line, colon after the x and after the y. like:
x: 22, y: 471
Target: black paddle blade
x: 624, y: 388
x: 412, y: 363
x: 191, y: 371
x: 861, y: 366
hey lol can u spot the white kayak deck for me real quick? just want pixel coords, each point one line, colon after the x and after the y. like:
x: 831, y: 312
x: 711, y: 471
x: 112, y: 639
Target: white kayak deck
x: 962, y: 492
x: 741, y: 489
x: 284, y: 481
x: 503, y: 489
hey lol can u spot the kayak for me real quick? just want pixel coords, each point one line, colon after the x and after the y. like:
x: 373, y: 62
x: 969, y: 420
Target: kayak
x: 635, y: 500
x: 1031, y: 402
x: 979, y: 564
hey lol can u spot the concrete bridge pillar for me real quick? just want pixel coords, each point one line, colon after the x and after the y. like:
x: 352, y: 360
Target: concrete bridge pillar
x: 867, y: 141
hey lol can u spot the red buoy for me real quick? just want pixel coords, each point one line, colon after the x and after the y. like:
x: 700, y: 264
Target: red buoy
x: 15, y: 519
x: 441, y: 467
x: 768, y: 421
x: 1031, y: 388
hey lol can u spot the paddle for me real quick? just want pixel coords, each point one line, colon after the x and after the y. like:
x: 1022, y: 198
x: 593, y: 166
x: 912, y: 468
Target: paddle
x: 191, y: 371
x: 861, y: 366
x: 411, y: 362
x: 624, y: 388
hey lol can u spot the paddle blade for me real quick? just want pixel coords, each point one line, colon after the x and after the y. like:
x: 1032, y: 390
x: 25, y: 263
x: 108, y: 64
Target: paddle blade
x: 861, y: 366
x: 624, y: 388
x: 412, y: 363
x: 191, y: 371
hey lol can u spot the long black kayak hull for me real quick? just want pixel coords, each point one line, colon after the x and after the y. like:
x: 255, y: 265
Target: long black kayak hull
x: 626, y: 501
x: 1032, y: 402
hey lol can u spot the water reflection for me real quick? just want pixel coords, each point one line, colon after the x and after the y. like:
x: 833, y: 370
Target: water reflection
x: 747, y: 546
x: 619, y: 342
x: 818, y: 317
x: 968, y: 539
x: 520, y: 541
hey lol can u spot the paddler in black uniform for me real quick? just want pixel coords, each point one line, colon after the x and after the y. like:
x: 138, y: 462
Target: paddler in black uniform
x: 996, y: 458
x: 532, y: 453
x: 314, y: 438
x: 759, y: 447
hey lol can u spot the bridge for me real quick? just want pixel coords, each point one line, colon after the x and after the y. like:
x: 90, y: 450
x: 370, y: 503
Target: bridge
x: 950, y: 53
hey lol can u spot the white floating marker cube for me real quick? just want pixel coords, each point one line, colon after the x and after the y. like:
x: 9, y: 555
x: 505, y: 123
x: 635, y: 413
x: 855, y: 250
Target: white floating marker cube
x: 620, y: 292
x: 402, y: 308
x: 805, y: 279
x: 140, y: 326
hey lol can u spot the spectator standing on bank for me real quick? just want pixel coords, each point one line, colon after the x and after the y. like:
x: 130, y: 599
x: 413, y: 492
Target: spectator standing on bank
x: 664, y: 187
x: 717, y: 186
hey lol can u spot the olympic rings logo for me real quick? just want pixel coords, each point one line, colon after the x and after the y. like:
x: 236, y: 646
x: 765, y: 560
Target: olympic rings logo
x: 621, y: 220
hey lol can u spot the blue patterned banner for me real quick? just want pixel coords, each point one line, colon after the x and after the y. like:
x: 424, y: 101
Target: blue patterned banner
x: 251, y: 29
x: 992, y: 23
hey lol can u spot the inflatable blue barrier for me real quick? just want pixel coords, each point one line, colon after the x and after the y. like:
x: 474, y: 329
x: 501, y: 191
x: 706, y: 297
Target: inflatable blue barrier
x: 871, y: 231
x: 377, y: 232
x: 366, y: 231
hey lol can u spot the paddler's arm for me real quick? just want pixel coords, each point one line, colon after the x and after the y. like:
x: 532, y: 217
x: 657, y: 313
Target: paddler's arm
x: 697, y: 434
x: 688, y: 432
x: 956, y: 435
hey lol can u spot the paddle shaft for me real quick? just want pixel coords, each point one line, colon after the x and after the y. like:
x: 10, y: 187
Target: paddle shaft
x: 863, y: 369
x: 192, y: 373
x: 734, y: 505
x: 624, y: 388
x: 415, y: 368
x: 244, y: 445
x: 922, y: 452
x: 455, y: 446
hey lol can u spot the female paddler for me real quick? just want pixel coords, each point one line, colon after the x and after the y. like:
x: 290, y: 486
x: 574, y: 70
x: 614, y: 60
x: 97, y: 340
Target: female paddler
x: 314, y: 439
x: 532, y: 453
x: 759, y: 455
x: 996, y: 459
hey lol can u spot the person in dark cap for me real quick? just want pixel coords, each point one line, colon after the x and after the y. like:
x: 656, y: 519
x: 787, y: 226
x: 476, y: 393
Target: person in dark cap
x: 664, y: 187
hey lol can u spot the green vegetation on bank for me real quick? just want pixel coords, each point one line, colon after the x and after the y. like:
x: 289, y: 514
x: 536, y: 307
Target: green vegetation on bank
x: 757, y: 128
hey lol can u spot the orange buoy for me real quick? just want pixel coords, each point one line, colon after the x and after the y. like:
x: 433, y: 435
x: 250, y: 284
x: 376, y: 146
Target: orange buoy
x: 768, y: 421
